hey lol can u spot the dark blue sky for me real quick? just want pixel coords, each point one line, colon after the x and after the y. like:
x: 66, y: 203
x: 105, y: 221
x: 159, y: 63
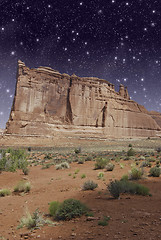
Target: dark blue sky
x: 119, y: 41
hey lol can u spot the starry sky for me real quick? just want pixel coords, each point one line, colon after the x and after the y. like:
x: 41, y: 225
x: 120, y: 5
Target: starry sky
x: 116, y: 40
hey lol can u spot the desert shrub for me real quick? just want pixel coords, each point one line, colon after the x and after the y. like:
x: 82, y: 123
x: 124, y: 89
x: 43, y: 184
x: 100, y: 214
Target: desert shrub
x: 100, y: 175
x: 125, y: 177
x: 135, y: 174
x: 29, y: 149
x: 69, y: 209
x: 141, y: 158
x: 115, y: 188
x: 89, y: 185
x: 101, y: 163
x: 158, y: 149
x: 155, y: 172
x: 88, y: 158
x: 104, y: 221
x: 131, y: 152
x: 121, y: 165
x: 151, y: 159
x: 76, y: 171
x: 53, y: 207
x: 130, y: 145
x: 145, y: 164
x: 22, y: 186
x: 46, y: 166
x: 4, y: 192
x: 83, y: 176
x: 109, y: 167
x: 80, y: 161
x: 124, y: 186
x: 63, y: 165
x: 77, y: 150
x: 48, y: 156
x: 33, y: 221
x: 25, y: 171
x: 13, y: 159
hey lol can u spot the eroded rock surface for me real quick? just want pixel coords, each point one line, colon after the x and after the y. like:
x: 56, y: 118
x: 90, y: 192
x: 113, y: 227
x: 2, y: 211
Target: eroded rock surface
x: 47, y: 102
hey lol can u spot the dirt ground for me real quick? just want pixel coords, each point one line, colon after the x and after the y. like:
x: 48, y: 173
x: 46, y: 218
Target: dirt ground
x: 131, y: 217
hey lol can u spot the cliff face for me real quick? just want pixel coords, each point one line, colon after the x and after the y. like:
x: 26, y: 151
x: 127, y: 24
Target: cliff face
x: 47, y: 102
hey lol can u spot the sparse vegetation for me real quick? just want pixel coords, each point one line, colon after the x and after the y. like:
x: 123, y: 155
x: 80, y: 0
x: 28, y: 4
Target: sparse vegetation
x: 33, y: 221
x: 11, y: 160
x: 100, y: 175
x: 104, y: 221
x: 109, y: 167
x: 22, y: 186
x: 135, y: 174
x: 77, y: 150
x: 69, y: 209
x: 83, y: 176
x: 130, y: 152
x: 89, y: 185
x: 101, y: 163
x: 155, y: 172
x: 4, y: 192
x: 53, y: 207
x: 123, y: 186
x: 63, y: 165
x: 80, y: 161
x: 25, y: 171
x: 76, y: 171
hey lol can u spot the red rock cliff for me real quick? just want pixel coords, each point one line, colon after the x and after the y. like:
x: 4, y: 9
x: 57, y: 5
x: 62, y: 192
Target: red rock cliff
x: 47, y: 102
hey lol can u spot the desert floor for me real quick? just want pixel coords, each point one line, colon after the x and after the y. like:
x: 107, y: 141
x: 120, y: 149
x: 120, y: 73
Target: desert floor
x: 131, y: 216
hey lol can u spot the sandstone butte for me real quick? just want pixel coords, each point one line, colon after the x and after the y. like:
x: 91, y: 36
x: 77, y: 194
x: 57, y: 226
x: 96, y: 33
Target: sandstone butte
x: 48, y: 103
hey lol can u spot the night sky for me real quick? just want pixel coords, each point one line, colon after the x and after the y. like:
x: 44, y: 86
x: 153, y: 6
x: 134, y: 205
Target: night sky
x: 116, y: 40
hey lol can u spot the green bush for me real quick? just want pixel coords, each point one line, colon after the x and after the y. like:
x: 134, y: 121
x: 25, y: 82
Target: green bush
x: 22, y: 186
x: 101, y: 163
x: 125, y: 177
x: 100, y: 175
x: 145, y: 164
x: 135, y: 174
x: 115, y: 188
x: 89, y: 185
x: 158, y: 149
x: 4, y: 192
x: 130, y: 145
x: 69, y: 209
x: 13, y: 159
x: 80, y: 161
x: 123, y: 186
x: 130, y: 152
x: 63, y: 165
x: 109, y: 167
x: 83, y: 176
x: 104, y: 222
x: 88, y: 158
x: 33, y: 221
x: 53, y: 207
x: 77, y: 150
x: 25, y: 171
x: 141, y: 158
x: 155, y: 172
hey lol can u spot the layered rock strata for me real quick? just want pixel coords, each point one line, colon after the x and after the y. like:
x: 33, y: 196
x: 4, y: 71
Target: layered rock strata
x: 47, y: 102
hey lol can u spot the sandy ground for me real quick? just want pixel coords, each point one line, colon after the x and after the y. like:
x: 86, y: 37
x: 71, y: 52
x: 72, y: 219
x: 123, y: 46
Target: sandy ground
x: 132, y: 217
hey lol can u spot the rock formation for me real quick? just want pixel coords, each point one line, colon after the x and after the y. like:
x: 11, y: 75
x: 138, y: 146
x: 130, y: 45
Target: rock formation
x: 47, y: 102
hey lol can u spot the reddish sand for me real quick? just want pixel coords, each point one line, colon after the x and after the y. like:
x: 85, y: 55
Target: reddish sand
x: 132, y: 217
